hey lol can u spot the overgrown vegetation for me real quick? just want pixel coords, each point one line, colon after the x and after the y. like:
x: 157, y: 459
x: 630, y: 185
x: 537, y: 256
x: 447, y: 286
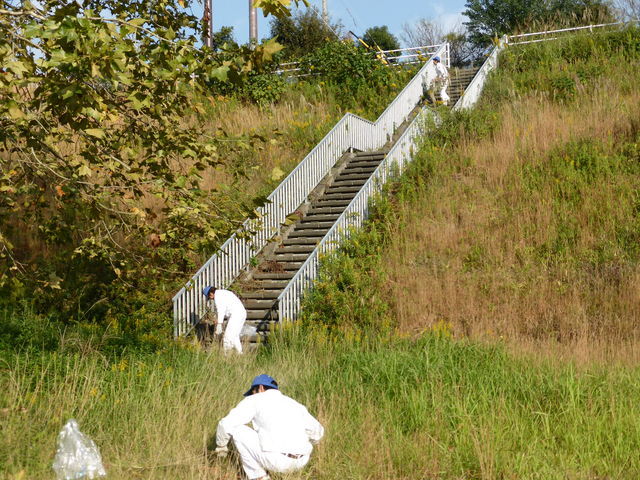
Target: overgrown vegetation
x: 116, y: 184
x: 392, y: 409
x: 518, y: 220
x: 494, y: 18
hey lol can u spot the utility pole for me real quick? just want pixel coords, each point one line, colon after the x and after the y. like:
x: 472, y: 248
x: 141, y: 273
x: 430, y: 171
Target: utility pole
x: 207, y: 19
x: 325, y: 12
x: 253, y: 22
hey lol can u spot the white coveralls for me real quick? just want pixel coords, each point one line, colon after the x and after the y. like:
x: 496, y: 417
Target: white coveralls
x: 281, y: 437
x: 442, y: 78
x: 229, y: 306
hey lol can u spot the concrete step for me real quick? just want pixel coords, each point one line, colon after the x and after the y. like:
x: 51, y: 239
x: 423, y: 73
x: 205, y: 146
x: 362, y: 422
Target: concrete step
x: 349, y: 189
x: 378, y: 154
x: 285, y: 266
x: 360, y: 170
x: 261, y: 295
x: 263, y: 323
x: 330, y: 203
x: 273, y: 276
x: 303, y: 240
x: 349, y: 176
x: 292, y: 258
x: 262, y: 304
x: 269, y: 285
x: 321, y: 209
x: 295, y: 249
x: 329, y: 197
x: 364, y: 162
x: 318, y: 233
x: 348, y: 183
x: 321, y: 217
x: 312, y: 225
x: 255, y: 316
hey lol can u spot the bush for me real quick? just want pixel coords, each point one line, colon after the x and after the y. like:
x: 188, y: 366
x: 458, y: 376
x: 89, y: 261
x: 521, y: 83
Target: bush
x: 24, y: 330
x: 302, y: 32
x: 357, y: 77
x: 264, y: 89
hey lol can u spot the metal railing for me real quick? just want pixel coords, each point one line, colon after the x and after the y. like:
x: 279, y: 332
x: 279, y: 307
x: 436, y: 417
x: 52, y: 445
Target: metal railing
x: 357, y: 211
x: 402, y: 56
x: 476, y: 85
x: 353, y: 216
x: 536, y: 37
x: 351, y: 132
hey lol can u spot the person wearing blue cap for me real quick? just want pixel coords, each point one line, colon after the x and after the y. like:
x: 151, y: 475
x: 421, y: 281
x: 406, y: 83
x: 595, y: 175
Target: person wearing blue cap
x: 282, y: 435
x: 229, y: 306
x: 442, y: 78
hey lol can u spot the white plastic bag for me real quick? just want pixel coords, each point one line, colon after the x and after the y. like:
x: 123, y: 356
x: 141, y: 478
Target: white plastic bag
x: 77, y: 456
x: 248, y: 331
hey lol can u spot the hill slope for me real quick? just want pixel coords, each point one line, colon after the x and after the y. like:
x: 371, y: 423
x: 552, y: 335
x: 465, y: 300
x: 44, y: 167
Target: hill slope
x: 520, y: 220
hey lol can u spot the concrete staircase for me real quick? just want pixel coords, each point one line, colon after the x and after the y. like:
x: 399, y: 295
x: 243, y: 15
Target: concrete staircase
x: 459, y: 79
x: 277, y: 264
x: 260, y: 288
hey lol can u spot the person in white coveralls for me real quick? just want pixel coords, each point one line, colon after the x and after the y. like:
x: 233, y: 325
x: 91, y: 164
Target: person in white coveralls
x: 282, y: 435
x: 228, y: 306
x: 442, y: 78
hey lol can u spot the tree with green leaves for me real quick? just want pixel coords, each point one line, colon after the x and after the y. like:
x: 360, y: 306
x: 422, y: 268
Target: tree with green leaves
x: 381, y: 37
x: 489, y: 19
x: 303, y: 32
x: 223, y: 37
x: 102, y: 147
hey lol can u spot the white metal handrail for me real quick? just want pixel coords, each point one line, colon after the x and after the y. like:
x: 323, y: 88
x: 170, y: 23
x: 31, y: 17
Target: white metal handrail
x: 472, y: 93
x: 424, y: 51
x: 289, y: 301
x: 351, y: 132
x: 354, y: 215
x: 545, y: 34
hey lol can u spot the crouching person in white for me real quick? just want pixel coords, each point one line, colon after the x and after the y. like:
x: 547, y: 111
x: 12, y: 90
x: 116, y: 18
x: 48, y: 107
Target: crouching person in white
x: 228, y: 306
x: 282, y: 434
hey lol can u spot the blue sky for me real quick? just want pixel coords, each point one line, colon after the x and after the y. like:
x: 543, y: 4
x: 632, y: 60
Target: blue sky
x: 355, y: 15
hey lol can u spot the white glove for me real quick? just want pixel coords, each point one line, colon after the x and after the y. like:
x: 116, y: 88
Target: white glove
x: 221, y: 452
x: 219, y: 331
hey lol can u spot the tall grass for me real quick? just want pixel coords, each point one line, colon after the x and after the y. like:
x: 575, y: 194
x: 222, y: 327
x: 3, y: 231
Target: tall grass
x: 518, y: 221
x: 392, y: 409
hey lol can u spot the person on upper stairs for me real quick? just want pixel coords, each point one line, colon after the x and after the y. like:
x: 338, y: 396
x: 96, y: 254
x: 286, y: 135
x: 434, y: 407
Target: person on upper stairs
x: 442, y: 79
x: 229, y: 306
x: 282, y: 436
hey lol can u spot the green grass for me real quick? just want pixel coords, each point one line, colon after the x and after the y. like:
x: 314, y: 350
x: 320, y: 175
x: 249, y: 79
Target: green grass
x: 393, y: 409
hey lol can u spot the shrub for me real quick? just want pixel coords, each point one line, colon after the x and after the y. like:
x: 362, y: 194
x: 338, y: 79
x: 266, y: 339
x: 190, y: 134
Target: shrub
x: 264, y: 89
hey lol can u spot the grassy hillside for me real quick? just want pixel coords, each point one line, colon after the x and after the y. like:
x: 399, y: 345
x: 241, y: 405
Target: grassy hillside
x: 482, y: 327
x: 519, y: 221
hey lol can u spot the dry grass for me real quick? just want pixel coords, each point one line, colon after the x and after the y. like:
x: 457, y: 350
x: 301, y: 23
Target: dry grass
x: 298, y: 125
x: 463, y: 258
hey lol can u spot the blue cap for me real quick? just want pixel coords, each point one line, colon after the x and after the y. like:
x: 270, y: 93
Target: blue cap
x: 264, y: 380
x: 436, y: 58
x: 206, y: 290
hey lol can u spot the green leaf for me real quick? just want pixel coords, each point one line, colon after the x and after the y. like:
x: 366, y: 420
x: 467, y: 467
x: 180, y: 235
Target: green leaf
x: 279, y: 8
x: 220, y: 73
x: 270, y: 48
x: 95, y: 132
x: 84, y: 170
x: 14, y: 110
x: 137, y: 22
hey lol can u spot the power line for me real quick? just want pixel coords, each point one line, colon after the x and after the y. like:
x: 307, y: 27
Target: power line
x: 355, y: 24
